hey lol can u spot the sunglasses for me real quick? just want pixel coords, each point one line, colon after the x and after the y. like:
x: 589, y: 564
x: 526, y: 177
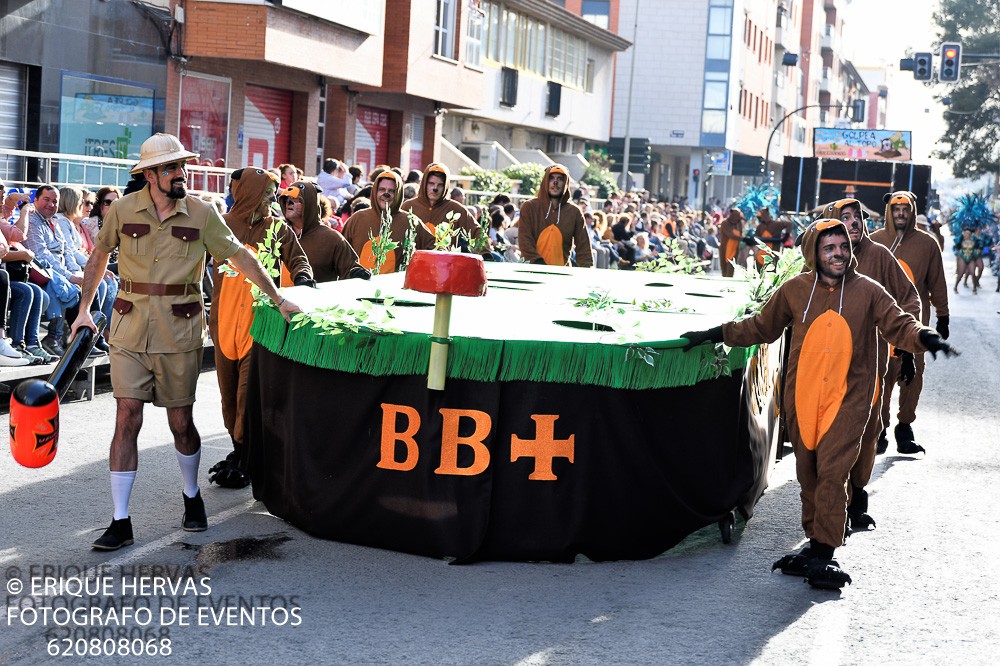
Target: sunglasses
x: 107, y: 202
x: 88, y: 203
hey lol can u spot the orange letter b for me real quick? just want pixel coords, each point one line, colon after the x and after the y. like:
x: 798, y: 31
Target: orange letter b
x: 390, y: 436
x: 450, y: 442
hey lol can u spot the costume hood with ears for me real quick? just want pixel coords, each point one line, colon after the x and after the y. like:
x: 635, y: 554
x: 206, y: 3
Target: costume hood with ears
x: 810, y: 238
x: 398, y: 200
x: 309, y: 193
x: 543, y: 189
x: 249, y: 186
x: 901, y: 197
x: 434, y: 169
x: 833, y: 210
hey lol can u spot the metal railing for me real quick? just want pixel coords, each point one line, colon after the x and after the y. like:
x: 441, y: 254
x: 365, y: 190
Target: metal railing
x: 28, y: 169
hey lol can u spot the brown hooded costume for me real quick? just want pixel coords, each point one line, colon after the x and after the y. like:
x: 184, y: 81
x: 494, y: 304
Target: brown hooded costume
x: 232, y: 303
x: 362, y: 227
x: 434, y: 214
x: 920, y: 256
x: 730, y: 237
x: 771, y: 232
x: 876, y: 262
x: 549, y: 228
x: 329, y: 253
x: 832, y: 374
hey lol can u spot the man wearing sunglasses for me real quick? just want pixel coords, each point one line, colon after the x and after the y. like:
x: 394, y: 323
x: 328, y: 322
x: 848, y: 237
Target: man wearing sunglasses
x: 158, y: 330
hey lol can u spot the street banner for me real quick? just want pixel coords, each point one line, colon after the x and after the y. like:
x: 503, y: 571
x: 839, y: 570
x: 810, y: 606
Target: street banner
x: 863, y: 144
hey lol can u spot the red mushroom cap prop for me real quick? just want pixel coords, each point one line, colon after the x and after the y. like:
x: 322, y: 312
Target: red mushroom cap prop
x: 445, y: 274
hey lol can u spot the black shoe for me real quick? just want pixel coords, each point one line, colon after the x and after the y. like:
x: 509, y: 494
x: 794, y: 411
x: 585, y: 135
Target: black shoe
x: 858, y: 519
x: 53, y: 345
x: 883, y: 443
x: 118, y: 535
x: 827, y: 575
x: 194, y: 519
x: 904, y: 440
x: 102, y: 346
x: 227, y: 473
x: 795, y: 564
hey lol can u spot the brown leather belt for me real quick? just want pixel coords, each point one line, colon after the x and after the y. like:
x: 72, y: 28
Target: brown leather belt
x: 157, y: 289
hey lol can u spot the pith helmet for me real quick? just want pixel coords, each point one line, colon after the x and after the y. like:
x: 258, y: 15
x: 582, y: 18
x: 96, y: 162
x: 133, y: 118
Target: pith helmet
x: 161, y: 149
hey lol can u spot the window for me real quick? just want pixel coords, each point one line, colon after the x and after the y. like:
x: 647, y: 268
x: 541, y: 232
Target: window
x: 508, y: 86
x: 554, y: 99
x: 591, y: 66
x: 444, y: 29
x: 597, y: 12
x: 474, y: 37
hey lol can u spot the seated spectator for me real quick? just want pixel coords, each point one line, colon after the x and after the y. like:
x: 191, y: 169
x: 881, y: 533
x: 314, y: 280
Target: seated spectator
x: 102, y: 203
x: 9, y: 357
x: 333, y: 180
x: 27, y: 300
x: 458, y: 195
x: 70, y: 220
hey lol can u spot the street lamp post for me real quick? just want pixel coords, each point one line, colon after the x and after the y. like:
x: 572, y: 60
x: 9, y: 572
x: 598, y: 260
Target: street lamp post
x: 767, y: 154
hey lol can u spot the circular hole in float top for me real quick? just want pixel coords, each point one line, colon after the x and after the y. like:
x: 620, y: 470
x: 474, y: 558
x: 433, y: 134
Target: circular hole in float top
x: 500, y: 286
x: 543, y: 273
x: 400, y: 303
x: 584, y: 325
x: 505, y: 281
x: 659, y: 284
x: 691, y: 293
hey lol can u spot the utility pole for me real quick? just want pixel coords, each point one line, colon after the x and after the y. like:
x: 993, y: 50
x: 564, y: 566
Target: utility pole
x: 628, y: 106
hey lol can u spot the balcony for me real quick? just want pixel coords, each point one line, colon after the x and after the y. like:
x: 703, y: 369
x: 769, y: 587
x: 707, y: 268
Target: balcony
x: 826, y: 82
x: 828, y: 40
x: 787, y: 39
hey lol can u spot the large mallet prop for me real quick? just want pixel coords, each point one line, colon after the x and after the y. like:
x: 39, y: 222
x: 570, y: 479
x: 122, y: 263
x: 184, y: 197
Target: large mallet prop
x: 445, y: 274
x: 34, y: 404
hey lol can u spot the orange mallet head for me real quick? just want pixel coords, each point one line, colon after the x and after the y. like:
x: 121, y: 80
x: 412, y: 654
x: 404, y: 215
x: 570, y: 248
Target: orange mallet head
x: 34, y: 423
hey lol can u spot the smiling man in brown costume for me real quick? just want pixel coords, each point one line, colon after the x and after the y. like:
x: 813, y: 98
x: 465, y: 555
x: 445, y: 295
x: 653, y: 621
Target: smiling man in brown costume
x: 876, y: 262
x: 362, y: 227
x: 920, y: 256
x: 329, y: 253
x: 831, y: 380
x: 550, y: 225
x: 232, y: 306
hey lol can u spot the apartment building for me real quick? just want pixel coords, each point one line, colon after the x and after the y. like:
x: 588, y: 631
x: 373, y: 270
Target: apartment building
x: 547, y: 80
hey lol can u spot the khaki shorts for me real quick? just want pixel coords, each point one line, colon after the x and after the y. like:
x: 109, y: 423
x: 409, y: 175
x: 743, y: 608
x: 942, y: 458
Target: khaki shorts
x: 166, y: 380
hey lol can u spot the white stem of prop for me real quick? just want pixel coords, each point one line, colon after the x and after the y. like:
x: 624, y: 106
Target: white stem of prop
x: 438, y: 366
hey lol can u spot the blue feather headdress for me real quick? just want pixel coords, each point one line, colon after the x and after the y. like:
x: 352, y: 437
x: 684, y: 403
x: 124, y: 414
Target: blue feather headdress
x: 756, y: 197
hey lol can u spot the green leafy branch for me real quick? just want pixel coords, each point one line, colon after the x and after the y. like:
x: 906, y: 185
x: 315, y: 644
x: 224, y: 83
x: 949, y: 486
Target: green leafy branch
x: 764, y: 283
x: 479, y: 243
x: 674, y: 260
x: 382, y: 244
x: 602, y: 302
x: 369, y: 319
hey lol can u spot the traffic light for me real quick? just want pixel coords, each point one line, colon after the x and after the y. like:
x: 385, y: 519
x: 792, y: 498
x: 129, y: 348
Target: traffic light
x: 923, y: 63
x: 951, y: 62
x: 696, y: 175
x: 858, y: 111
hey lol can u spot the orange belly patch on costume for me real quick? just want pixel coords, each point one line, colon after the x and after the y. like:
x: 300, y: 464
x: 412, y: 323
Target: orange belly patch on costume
x: 235, y: 308
x: 821, y: 378
x: 367, y: 258
x: 550, y: 246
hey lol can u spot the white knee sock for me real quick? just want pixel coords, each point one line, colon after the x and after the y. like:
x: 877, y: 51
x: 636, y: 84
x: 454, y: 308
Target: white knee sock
x: 189, y: 471
x: 121, y: 490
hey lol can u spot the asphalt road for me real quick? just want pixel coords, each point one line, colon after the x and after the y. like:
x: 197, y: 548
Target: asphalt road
x: 925, y: 589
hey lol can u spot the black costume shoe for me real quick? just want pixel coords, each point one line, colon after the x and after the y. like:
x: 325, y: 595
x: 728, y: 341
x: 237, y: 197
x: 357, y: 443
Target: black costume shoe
x: 795, y: 564
x: 194, y: 519
x: 227, y: 473
x: 858, y: 519
x: 882, y: 445
x: 904, y: 440
x: 118, y: 534
x: 827, y: 575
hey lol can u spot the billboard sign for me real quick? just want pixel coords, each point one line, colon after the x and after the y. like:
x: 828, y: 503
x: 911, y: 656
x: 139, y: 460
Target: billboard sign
x: 862, y: 144
x: 721, y: 163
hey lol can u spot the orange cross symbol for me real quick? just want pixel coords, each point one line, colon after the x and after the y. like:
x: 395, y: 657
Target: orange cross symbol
x: 543, y: 449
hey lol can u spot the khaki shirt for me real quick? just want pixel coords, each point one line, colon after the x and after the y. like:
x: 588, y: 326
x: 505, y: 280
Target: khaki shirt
x: 167, y: 252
